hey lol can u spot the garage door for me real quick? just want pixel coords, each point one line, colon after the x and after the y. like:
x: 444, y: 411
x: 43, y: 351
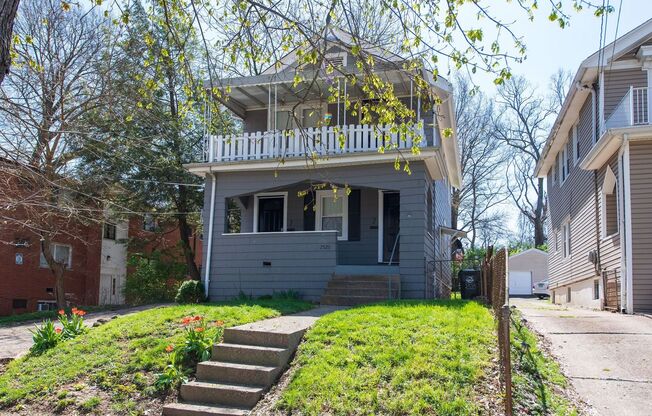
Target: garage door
x: 520, y: 283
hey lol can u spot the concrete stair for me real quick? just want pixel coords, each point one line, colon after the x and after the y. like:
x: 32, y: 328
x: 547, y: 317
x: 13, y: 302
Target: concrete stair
x: 350, y: 290
x: 242, y: 368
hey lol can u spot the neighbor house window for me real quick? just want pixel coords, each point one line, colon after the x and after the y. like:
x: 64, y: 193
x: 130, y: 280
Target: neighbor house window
x: 149, y: 223
x: 62, y: 253
x: 19, y: 303
x: 270, y: 212
x: 609, y: 204
x: 332, y: 213
x: 109, y: 231
x: 563, y: 164
x: 576, y: 145
x: 566, y: 238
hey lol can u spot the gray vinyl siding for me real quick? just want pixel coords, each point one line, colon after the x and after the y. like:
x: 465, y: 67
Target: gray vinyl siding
x: 641, y: 210
x: 380, y: 176
x: 574, y: 199
x: 616, y: 85
x: 302, y: 262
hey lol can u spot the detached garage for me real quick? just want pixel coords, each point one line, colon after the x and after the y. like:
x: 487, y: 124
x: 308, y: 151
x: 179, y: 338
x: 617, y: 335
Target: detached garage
x: 525, y: 269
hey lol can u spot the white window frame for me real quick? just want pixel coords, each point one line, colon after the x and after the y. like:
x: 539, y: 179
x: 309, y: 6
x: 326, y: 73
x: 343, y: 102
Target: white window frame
x: 563, y: 164
x: 609, y: 182
x: 576, y: 153
x: 566, y: 238
x: 264, y: 195
x: 345, y: 212
x: 54, y: 249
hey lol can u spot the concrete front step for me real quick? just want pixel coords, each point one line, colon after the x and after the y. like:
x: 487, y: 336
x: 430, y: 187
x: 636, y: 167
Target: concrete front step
x: 251, y: 336
x: 221, y: 372
x: 350, y: 300
x: 222, y: 394
x: 251, y: 354
x: 202, y: 409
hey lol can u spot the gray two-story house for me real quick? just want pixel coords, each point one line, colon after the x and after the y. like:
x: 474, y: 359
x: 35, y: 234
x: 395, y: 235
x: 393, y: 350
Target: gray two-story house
x: 598, y: 165
x: 306, y: 195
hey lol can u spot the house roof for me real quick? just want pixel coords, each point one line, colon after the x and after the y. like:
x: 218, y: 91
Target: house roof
x: 585, y: 77
x: 530, y: 251
x: 278, y: 83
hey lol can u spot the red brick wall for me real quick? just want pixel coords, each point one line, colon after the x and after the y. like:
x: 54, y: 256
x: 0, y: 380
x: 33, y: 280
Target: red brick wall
x: 165, y: 239
x: 29, y: 281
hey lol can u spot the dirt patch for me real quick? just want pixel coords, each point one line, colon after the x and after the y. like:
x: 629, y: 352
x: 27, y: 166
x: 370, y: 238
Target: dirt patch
x: 488, y: 390
x: 86, y: 399
x: 266, y: 405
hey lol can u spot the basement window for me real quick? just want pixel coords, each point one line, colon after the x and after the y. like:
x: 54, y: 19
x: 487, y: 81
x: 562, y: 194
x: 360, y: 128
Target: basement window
x: 19, y: 303
x: 609, y: 220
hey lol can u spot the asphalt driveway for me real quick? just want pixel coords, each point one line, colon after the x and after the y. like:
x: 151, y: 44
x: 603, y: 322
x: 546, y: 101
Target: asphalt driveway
x: 16, y: 340
x: 607, y: 356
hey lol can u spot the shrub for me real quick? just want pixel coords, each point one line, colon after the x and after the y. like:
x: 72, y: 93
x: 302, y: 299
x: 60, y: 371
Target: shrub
x: 45, y: 337
x: 153, y: 279
x: 190, y: 291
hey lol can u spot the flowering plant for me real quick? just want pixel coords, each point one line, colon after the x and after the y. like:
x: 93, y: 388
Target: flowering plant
x: 199, y: 338
x: 73, y: 325
x: 47, y: 335
x: 174, y: 373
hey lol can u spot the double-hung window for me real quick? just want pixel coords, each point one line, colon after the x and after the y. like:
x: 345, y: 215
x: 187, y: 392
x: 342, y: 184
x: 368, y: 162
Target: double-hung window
x: 563, y: 164
x: 62, y: 253
x: 332, y: 213
x: 566, y: 238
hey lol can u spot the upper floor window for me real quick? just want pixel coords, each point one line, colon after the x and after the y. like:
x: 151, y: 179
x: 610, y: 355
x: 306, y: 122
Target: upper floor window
x: 62, y: 253
x: 109, y: 231
x: 566, y: 238
x: 554, y: 170
x: 609, y: 215
x: 576, y: 145
x: 563, y: 164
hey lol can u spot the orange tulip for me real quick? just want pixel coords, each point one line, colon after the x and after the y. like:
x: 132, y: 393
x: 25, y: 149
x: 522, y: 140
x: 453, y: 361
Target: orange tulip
x: 62, y: 312
x: 169, y: 348
x: 199, y: 329
x: 57, y: 330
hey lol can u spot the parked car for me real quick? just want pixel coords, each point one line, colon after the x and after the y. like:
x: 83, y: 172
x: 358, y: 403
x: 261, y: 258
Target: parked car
x: 540, y: 289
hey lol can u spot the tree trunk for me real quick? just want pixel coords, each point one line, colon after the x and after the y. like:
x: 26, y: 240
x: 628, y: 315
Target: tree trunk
x: 58, y: 271
x: 188, y: 253
x: 8, y: 10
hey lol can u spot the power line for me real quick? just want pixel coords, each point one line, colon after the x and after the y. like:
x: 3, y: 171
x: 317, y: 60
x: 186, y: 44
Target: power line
x: 613, y: 50
x: 164, y: 183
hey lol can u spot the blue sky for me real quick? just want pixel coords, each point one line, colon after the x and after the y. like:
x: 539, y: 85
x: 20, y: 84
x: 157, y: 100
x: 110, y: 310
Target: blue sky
x: 550, y: 47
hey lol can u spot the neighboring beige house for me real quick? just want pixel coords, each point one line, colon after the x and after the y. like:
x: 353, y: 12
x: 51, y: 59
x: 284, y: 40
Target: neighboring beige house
x: 598, y: 166
x: 525, y: 269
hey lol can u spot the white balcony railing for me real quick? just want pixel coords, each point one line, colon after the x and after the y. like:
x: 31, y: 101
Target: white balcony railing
x: 632, y: 110
x: 317, y: 141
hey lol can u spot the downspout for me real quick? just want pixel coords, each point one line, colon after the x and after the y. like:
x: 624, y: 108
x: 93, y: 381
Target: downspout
x: 209, y: 248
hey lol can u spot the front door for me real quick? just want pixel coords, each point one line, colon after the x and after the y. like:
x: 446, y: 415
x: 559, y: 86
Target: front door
x: 270, y: 214
x: 391, y: 221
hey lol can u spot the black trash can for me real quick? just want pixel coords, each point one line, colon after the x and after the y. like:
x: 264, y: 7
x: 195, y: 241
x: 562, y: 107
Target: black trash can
x: 469, y: 283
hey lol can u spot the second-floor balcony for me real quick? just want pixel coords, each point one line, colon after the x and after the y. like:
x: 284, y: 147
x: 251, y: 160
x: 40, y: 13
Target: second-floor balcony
x: 318, y: 142
x: 632, y: 110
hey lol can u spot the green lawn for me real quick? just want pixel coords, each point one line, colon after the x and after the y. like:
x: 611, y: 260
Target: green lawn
x: 397, y: 358
x: 537, y: 379
x: 119, y: 358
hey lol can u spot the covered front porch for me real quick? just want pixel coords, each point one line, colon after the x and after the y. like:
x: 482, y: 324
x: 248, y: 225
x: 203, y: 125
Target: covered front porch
x: 356, y: 227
